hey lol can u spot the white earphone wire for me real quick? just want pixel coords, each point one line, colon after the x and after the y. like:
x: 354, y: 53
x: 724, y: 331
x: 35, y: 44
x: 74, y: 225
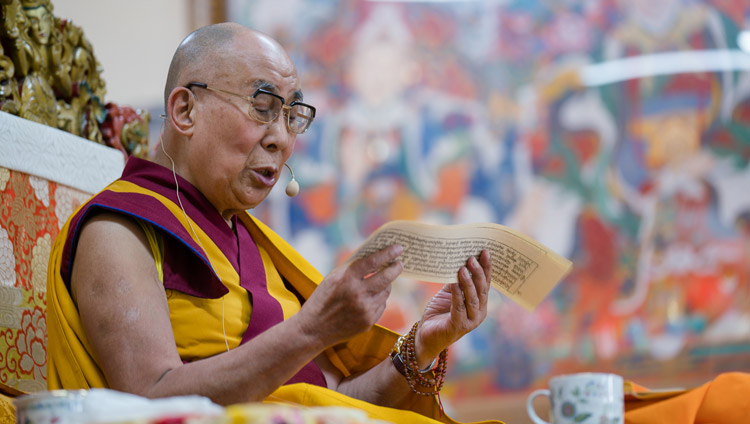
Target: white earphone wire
x: 179, y: 200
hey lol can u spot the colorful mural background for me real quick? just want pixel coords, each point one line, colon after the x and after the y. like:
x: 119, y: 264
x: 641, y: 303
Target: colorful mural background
x: 497, y: 111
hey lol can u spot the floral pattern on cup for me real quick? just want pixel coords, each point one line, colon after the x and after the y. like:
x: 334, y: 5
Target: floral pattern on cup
x: 587, y: 398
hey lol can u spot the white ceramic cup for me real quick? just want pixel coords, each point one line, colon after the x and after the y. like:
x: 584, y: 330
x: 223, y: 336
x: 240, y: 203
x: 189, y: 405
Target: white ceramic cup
x: 585, y: 398
x: 53, y: 407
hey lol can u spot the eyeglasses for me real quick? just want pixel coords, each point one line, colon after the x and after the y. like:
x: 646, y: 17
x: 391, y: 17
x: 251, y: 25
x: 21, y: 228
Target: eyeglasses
x: 266, y: 106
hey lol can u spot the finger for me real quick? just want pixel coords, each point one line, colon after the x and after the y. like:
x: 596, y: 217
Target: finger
x: 380, y: 301
x: 375, y: 261
x: 480, y: 281
x: 466, y: 283
x: 458, y: 304
x: 383, y: 278
x: 486, y: 262
x: 480, y: 273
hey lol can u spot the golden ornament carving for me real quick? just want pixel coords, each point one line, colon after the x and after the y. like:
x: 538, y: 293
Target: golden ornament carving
x: 49, y: 74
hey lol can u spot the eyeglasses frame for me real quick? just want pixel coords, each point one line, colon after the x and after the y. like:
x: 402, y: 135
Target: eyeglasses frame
x: 285, y: 109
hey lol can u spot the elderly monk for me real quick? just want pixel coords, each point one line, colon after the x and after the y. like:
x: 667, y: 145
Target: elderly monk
x: 163, y: 284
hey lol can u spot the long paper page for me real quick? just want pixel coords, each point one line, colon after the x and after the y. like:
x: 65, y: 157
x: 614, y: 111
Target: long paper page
x: 522, y: 268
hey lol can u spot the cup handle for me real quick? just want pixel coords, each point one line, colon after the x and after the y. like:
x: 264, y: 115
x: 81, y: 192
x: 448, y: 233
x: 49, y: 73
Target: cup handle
x: 530, y: 405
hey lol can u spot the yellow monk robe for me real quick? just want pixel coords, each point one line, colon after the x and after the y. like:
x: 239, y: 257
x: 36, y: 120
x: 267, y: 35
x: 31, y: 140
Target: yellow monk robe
x: 71, y: 362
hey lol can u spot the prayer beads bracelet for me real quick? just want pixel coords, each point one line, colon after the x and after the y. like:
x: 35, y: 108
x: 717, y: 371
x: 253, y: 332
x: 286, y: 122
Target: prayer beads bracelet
x: 404, y: 356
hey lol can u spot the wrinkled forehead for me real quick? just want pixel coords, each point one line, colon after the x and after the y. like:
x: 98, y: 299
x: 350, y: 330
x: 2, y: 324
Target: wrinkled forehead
x: 257, y: 63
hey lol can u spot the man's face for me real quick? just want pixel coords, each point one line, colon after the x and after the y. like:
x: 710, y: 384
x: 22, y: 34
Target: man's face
x: 234, y: 160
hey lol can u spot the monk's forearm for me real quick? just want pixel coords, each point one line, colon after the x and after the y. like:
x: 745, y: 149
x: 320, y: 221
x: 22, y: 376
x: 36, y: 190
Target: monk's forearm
x: 381, y: 385
x: 248, y: 373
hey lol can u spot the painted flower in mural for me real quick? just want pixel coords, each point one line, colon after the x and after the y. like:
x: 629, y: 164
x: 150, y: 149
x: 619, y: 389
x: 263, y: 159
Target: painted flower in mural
x: 7, y: 260
x: 4, y: 177
x: 39, y: 259
x: 41, y: 189
x: 30, y: 342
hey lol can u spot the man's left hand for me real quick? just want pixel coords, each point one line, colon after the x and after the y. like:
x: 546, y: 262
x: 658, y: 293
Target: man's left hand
x: 455, y: 310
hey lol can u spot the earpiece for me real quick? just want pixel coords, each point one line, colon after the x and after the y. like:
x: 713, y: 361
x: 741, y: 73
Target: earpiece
x: 292, y: 188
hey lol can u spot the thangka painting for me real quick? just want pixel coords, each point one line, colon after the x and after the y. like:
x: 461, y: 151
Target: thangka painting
x: 616, y: 132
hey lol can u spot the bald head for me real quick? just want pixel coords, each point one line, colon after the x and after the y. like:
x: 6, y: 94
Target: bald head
x: 208, y: 48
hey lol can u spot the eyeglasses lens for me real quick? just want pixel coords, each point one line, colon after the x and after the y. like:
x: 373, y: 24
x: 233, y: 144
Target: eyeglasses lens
x: 265, y: 108
x: 300, y: 117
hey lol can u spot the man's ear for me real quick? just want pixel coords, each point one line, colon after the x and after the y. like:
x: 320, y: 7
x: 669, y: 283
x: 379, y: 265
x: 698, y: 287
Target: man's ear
x: 181, y: 110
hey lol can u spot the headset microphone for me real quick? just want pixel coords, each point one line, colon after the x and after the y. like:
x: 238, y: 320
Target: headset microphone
x: 292, y: 188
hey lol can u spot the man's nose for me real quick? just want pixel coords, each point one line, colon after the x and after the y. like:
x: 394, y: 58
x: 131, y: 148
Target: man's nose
x: 278, y: 136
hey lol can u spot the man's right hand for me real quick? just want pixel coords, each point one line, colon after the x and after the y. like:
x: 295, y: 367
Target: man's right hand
x: 352, y: 297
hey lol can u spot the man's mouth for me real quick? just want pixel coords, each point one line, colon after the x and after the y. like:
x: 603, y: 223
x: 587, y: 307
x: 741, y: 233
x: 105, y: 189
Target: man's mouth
x: 266, y: 175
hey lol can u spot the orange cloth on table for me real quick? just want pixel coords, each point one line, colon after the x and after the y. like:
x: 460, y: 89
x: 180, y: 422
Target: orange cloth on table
x: 725, y: 400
